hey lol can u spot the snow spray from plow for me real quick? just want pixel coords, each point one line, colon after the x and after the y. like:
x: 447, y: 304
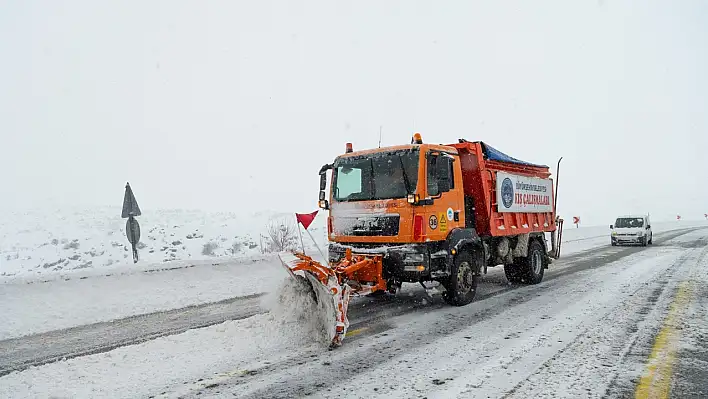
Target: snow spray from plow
x: 333, y: 286
x: 328, y: 296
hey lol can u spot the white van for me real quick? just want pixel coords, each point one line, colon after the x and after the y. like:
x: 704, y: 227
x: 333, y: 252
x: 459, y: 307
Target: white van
x: 631, y: 229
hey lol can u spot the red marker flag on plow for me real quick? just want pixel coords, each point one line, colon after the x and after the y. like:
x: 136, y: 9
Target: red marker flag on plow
x: 306, y: 218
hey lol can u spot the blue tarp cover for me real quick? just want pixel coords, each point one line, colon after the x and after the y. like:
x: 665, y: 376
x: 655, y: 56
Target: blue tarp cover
x: 493, y: 154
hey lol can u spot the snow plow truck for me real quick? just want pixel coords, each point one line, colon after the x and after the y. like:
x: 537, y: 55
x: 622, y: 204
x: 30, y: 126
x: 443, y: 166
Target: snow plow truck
x: 421, y: 213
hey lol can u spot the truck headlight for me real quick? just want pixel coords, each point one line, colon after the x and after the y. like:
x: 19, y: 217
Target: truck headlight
x: 614, y: 233
x: 640, y: 233
x: 415, y: 258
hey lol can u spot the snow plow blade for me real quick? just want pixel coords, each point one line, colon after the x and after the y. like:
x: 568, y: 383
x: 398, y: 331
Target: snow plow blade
x: 334, y: 285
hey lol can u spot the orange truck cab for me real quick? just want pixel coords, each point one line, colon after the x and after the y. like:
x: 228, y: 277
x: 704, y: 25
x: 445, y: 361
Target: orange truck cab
x: 441, y: 213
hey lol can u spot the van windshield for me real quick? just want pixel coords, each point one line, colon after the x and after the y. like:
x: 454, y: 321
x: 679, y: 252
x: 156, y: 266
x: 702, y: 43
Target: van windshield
x: 378, y: 176
x: 629, y: 222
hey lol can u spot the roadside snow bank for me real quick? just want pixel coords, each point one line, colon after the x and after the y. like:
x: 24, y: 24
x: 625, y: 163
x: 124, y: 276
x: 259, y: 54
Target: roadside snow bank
x: 233, y: 348
x: 40, y: 307
x: 130, y: 372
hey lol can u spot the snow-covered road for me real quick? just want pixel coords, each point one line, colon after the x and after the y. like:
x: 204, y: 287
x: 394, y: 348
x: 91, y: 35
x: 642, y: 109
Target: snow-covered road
x: 583, y: 332
x: 77, y: 300
x: 37, y: 304
x: 99, y: 337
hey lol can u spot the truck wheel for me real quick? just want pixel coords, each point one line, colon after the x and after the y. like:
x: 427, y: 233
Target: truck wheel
x: 533, y: 265
x: 513, y: 272
x: 461, y: 286
x: 644, y: 241
x: 651, y: 239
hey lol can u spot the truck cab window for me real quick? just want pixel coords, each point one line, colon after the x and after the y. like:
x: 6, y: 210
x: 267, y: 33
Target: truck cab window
x: 380, y: 176
x: 432, y: 176
x: 439, y: 172
x: 348, y: 181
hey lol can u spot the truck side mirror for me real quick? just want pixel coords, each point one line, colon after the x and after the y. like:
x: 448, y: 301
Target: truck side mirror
x: 323, y: 175
x: 323, y: 181
x: 612, y: 227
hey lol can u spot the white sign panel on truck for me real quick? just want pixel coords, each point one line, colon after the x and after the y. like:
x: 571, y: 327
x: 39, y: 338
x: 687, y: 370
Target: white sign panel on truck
x: 523, y: 194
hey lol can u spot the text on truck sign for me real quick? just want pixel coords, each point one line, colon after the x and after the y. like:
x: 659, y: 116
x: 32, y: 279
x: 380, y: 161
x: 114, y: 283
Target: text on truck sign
x: 523, y: 194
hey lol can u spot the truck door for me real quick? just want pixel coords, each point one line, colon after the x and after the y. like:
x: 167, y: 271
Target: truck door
x: 444, y: 187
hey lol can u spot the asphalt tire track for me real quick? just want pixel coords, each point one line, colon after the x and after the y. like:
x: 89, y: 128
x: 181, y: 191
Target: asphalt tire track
x: 39, y: 349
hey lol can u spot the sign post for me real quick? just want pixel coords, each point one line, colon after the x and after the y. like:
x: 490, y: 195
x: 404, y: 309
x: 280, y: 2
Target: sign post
x: 130, y: 211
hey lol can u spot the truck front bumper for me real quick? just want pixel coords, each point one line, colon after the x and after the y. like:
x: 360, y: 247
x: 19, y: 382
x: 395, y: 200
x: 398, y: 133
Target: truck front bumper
x: 403, y: 263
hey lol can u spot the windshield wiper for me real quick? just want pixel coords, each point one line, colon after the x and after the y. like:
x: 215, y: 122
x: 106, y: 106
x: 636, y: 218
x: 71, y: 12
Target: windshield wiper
x: 405, y: 176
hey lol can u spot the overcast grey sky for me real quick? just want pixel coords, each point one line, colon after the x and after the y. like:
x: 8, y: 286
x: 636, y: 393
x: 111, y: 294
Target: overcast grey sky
x: 234, y: 105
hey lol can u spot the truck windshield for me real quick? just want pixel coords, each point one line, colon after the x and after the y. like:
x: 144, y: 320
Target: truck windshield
x: 378, y: 176
x: 629, y: 222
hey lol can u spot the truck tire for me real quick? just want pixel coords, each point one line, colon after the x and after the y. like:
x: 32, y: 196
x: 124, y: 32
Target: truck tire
x: 513, y: 271
x: 644, y: 241
x: 461, y: 286
x: 378, y: 294
x: 534, y: 264
x: 651, y: 239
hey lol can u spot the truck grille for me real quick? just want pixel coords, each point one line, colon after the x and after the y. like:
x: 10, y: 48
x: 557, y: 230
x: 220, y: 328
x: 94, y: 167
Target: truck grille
x: 368, y: 225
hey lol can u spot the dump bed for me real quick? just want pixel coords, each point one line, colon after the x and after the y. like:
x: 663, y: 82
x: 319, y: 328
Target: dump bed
x: 509, y: 196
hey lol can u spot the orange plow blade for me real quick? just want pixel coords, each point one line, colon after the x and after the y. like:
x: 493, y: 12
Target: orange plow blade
x: 334, y: 285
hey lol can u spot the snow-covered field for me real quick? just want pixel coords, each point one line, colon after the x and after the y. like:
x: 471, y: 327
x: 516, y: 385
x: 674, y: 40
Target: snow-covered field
x: 41, y: 245
x: 49, y: 244
x: 92, y: 277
